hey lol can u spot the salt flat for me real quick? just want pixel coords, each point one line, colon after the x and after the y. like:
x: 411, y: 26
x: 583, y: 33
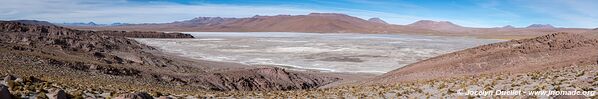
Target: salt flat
x: 331, y: 52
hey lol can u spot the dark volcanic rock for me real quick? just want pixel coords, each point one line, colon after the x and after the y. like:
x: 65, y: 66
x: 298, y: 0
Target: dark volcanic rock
x: 64, y: 38
x: 9, y: 78
x: 137, y: 95
x: 4, y: 93
x: 264, y: 79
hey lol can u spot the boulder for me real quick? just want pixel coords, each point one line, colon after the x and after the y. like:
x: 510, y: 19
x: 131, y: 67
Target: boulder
x: 19, y: 80
x: 56, y: 94
x: 9, y: 77
x: 137, y: 95
x: 4, y: 93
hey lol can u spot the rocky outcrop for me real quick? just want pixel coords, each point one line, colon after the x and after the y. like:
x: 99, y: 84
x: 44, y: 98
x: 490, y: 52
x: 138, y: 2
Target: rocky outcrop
x: 4, y: 92
x: 56, y: 94
x: 264, y: 79
x: 145, y: 34
x: 137, y: 95
x: 548, y: 51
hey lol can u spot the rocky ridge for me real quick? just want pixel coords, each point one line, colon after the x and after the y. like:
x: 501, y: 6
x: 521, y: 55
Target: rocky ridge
x: 92, y: 59
x: 554, y: 50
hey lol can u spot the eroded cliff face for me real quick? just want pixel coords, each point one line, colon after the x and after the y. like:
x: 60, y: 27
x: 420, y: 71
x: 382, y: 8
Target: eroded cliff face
x: 548, y: 51
x: 88, y: 58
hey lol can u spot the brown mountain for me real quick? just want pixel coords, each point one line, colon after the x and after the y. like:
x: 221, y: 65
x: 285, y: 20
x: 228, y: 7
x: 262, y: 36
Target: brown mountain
x: 508, y: 27
x: 540, y: 26
x: 334, y: 23
x: 314, y: 22
x: 377, y: 20
x: 443, y: 26
x: 516, y: 56
x: 434, y: 24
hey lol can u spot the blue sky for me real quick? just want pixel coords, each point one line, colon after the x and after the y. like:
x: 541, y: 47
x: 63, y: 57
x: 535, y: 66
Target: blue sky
x: 471, y: 13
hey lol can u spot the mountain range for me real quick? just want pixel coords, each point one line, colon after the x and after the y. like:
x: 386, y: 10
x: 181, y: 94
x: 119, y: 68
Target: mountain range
x: 90, y: 24
x: 334, y: 23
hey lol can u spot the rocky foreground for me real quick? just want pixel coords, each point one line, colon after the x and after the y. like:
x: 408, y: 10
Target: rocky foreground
x: 580, y: 78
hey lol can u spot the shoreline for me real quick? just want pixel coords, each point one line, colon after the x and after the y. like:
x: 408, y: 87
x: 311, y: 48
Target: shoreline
x: 346, y: 77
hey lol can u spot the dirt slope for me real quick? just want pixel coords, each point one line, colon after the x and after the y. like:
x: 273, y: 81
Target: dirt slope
x: 554, y: 50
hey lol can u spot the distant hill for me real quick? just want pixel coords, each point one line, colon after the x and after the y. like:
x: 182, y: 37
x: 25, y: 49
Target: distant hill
x: 34, y: 22
x: 434, y: 24
x: 314, y: 22
x: 377, y: 20
x: 90, y: 24
x: 333, y: 23
x: 508, y: 27
x: 444, y: 26
x: 540, y: 26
